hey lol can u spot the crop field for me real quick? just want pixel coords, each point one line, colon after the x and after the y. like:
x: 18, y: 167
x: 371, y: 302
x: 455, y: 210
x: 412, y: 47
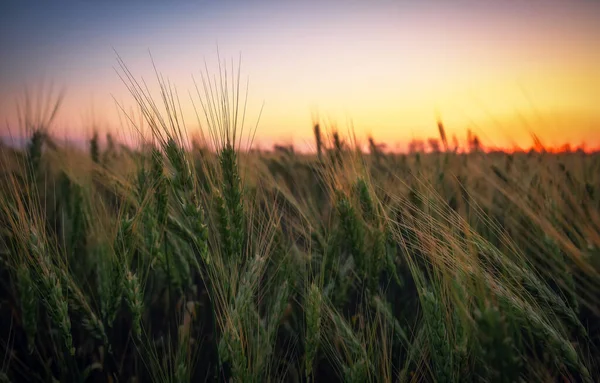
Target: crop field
x: 201, y: 260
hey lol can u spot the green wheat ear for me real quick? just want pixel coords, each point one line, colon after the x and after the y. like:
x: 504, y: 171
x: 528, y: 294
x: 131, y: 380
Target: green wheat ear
x: 53, y: 296
x: 34, y: 151
x: 29, y: 309
x: 176, y: 155
x: 352, y: 232
x: 439, y: 344
x: 110, y: 290
x: 160, y: 186
x: 367, y: 205
x: 95, y: 148
x: 559, y: 346
x: 232, y: 195
x: 318, y: 141
x: 313, y: 312
x: 57, y: 306
x: 358, y: 372
x: 90, y: 321
x: 134, y: 299
x: 499, y: 359
x: 224, y: 227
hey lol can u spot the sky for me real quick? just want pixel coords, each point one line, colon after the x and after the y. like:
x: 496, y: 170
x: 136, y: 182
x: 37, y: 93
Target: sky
x: 381, y: 68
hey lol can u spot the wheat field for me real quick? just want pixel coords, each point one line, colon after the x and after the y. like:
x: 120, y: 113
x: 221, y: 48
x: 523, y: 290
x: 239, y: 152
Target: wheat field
x: 200, y: 260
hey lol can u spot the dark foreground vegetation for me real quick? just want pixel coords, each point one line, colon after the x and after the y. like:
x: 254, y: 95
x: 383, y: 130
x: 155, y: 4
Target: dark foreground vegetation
x: 175, y: 263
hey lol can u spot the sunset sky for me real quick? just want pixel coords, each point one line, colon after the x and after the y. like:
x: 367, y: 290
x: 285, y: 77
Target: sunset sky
x: 387, y: 68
